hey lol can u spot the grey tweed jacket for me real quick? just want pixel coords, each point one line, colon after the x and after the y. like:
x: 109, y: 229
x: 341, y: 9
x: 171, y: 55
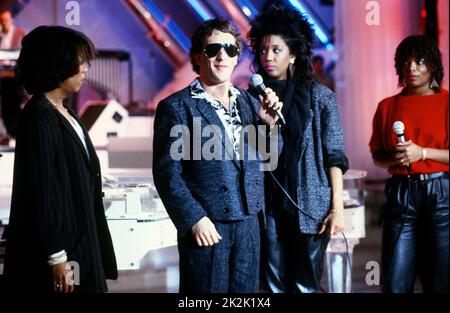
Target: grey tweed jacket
x: 322, y: 147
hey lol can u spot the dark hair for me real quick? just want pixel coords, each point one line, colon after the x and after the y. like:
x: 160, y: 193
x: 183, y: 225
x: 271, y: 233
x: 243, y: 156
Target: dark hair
x: 5, y: 10
x: 205, y: 30
x: 318, y: 58
x: 50, y: 55
x: 296, y: 31
x: 419, y: 46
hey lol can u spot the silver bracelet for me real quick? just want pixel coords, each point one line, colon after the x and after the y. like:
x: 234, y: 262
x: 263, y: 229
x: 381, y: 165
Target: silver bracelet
x: 57, y: 260
x: 55, y: 255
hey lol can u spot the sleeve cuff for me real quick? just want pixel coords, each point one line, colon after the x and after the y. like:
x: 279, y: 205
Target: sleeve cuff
x: 338, y: 159
x: 183, y: 229
x: 56, y: 255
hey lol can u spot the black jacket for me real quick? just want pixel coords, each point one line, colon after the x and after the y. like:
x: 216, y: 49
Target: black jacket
x: 56, y: 203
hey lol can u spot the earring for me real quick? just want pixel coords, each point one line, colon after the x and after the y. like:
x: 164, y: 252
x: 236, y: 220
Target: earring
x: 291, y: 69
x: 434, y: 84
x: 292, y: 61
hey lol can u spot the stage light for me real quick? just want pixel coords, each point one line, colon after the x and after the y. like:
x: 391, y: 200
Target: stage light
x: 200, y: 9
x: 170, y: 25
x: 247, y: 8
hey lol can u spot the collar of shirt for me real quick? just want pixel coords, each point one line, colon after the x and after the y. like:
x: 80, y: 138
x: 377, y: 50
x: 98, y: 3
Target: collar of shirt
x: 197, y: 92
x: 230, y: 120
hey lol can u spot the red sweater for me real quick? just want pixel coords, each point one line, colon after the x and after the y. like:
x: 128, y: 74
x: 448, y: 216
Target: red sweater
x: 426, y: 124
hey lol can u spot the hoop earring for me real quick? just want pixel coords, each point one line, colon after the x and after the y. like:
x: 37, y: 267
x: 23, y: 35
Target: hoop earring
x: 434, y: 84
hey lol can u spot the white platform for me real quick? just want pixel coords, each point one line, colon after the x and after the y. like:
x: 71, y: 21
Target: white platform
x: 134, y: 234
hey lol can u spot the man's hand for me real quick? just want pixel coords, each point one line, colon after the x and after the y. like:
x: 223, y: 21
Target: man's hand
x: 205, y: 232
x: 269, y: 107
x: 61, y: 280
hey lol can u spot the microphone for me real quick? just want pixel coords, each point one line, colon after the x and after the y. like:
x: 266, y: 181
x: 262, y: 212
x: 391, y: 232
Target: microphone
x: 399, y: 129
x: 257, y: 82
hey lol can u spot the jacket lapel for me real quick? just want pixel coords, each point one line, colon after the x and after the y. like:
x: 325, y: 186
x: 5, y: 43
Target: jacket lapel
x: 91, y: 154
x: 246, y: 119
x: 244, y: 110
x: 69, y: 129
x: 209, y: 113
x: 308, y: 112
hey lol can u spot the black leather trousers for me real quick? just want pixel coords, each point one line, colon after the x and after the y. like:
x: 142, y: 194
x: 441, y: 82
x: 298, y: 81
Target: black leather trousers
x: 291, y: 261
x: 415, y: 234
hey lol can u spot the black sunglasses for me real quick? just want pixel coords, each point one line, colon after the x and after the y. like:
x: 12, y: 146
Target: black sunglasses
x: 213, y: 49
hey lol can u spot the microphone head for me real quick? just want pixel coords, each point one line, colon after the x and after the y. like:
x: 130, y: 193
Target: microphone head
x: 398, y: 127
x: 256, y: 80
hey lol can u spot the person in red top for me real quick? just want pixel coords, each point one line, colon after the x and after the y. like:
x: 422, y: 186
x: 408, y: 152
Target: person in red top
x: 415, y: 216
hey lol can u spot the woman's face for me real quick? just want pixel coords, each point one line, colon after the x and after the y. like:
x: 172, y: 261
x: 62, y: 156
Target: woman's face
x: 73, y: 84
x: 416, y: 75
x: 275, y: 56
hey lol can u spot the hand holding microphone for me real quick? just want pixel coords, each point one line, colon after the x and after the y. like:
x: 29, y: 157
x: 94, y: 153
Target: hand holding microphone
x: 399, y: 156
x: 269, y: 96
x: 406, y: 152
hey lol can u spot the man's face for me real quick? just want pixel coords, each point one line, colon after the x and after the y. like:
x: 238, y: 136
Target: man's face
x: 215, y: 70
x: 6, y: 21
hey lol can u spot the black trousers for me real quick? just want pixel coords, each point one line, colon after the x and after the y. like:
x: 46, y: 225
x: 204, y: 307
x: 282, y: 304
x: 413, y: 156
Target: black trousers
x: 230, y: 266
x: 415, y: 235
x: 291, y: 261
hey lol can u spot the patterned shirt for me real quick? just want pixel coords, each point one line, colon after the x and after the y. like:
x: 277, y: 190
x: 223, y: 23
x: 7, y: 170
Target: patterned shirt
x: 230, y: 119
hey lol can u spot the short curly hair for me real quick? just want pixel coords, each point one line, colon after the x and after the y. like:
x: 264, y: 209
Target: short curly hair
x: 296, y: 31
x: 205, y: 30
x: 50, y: 55
x: 418, y: 47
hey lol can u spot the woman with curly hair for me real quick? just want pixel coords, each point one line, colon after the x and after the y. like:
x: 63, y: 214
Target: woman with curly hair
x: 305, y: 191
x: 415, y: 216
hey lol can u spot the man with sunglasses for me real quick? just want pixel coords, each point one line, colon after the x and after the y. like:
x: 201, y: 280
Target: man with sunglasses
x: 213, y: 203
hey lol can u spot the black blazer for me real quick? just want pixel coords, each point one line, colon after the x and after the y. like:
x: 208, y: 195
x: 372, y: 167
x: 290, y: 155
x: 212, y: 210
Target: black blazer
x: 56, y: 203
